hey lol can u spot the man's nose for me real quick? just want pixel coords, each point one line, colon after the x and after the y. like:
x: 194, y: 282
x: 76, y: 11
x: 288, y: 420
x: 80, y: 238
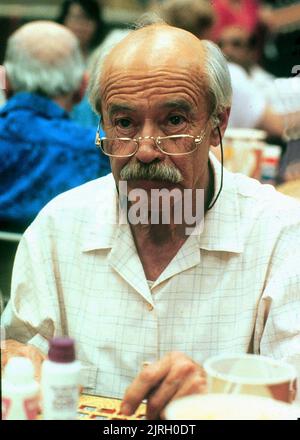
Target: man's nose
x: 148, y: 151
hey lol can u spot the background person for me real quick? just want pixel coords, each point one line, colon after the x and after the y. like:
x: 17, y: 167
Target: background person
x: 43, y: 152
x: 249, y: 106
x: 84, y: 19
x: 240, y: 47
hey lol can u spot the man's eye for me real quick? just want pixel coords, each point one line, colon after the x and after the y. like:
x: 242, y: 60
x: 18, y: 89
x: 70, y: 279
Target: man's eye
x: 176, y: 119
x: 123, y: 123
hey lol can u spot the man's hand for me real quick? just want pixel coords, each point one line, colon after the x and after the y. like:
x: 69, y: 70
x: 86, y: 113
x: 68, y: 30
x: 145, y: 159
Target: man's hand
x: 11, y: 348
x: 175, y: 375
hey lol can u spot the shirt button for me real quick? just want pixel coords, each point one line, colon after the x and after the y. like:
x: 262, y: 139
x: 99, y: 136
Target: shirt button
x: 150, y: 307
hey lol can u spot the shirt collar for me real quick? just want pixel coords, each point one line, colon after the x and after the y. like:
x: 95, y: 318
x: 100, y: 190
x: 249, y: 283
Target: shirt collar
x: 103, y: 227
x: 222, y: 224
x: 37, y: 103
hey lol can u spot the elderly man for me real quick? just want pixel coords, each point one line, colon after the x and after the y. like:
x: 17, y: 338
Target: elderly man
x: 43, y: 152
x: 135, y: 292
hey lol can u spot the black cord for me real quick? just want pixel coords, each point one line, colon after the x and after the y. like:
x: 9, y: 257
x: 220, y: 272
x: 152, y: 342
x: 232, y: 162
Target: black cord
x: 222, y: 161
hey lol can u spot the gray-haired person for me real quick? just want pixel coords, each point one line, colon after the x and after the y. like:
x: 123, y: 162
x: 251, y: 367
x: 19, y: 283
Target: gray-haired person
x: 145, y: 290
x: 43, y: 152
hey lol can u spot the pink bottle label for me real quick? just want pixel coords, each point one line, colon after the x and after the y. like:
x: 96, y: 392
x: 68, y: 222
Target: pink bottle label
x: 6, y: 403
x: 31, y: 408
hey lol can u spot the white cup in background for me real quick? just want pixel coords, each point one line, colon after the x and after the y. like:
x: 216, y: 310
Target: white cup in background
x: 251, y: 374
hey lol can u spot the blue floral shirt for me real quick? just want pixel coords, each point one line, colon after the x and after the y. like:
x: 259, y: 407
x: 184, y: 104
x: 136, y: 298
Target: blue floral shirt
x: 42, y: 153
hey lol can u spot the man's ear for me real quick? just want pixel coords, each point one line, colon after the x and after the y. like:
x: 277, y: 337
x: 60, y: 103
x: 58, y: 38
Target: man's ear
x: 222, y: 124
x: 80, y: 92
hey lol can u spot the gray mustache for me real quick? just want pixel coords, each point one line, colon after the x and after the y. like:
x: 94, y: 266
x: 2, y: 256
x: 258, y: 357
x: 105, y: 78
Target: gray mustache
x: 152, y: 171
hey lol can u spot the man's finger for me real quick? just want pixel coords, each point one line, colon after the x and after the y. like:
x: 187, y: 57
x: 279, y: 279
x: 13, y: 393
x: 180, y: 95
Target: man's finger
x: 173, y: 382
x: 194, y: 384
x: 143, y: 384
x: 140, y: 389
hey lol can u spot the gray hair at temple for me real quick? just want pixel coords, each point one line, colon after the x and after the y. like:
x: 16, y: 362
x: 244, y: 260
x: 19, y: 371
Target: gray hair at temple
x: 219, y: 91
x: 44, y: 57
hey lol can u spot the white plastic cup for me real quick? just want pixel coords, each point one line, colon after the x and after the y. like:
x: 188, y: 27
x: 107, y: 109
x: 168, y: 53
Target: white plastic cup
x: 251, y: 374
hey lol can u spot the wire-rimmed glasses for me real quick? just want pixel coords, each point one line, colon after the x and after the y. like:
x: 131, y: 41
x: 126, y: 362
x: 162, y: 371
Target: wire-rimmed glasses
x: 174, y: 145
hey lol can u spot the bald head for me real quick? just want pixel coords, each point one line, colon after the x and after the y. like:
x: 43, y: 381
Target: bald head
x: 44, y: 56
x: 156, y: 50
x: 157, y: 44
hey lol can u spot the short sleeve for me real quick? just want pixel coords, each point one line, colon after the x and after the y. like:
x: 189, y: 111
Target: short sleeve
x: 31, y: 315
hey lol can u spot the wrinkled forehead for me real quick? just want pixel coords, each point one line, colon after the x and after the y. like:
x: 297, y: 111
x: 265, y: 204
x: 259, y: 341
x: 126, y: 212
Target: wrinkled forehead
x: 166, y: 52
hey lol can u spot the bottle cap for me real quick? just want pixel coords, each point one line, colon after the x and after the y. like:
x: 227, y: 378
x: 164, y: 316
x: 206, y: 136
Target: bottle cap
x: 61, y: 350
x: 19, y: 370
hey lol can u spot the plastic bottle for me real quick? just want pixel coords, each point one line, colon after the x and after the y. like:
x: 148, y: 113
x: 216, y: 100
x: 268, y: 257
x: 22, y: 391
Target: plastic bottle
x: 60, y: 381
x: 269, y: 164
x: 20, y: 392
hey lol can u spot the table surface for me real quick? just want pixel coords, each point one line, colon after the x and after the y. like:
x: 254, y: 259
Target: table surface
x: 105, y: 408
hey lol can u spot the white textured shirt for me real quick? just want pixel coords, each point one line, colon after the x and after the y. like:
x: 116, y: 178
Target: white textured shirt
x: 235, y: 288
x: 248, y: 101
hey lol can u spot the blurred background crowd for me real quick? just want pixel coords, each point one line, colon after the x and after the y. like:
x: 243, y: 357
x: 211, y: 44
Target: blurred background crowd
x: 47, y: 126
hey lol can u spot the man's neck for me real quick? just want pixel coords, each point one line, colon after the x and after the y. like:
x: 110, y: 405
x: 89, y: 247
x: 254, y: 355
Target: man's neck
x: 161, y: 233
x: 157, y: 244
